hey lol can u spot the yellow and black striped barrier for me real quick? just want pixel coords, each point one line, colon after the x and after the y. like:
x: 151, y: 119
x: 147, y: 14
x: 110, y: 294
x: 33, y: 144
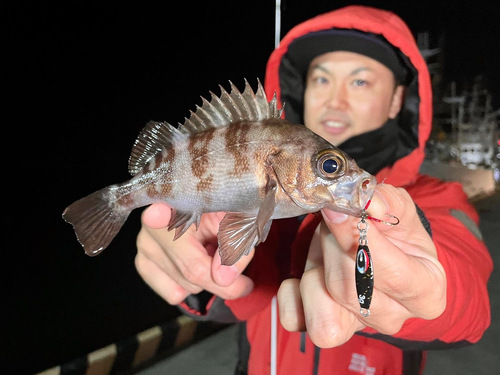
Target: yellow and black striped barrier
x: 156, y: 342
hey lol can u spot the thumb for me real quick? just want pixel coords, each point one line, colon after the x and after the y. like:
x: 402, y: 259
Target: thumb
x: 156, y: 216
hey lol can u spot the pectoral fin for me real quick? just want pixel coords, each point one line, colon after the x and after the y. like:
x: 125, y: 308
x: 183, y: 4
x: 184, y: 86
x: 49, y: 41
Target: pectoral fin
x: 240, y: 232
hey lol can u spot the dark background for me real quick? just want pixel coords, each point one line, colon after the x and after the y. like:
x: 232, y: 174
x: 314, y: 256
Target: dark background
x: 79, y: 82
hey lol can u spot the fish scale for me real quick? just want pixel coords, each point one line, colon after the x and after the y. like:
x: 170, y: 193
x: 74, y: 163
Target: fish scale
x: 233, y: 154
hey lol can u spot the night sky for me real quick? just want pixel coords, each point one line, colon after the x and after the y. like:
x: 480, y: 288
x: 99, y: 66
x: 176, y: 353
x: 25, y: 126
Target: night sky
x: 83, y: 79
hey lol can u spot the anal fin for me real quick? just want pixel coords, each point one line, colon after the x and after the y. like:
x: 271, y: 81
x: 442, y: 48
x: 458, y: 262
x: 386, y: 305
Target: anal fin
x: 181, y: 221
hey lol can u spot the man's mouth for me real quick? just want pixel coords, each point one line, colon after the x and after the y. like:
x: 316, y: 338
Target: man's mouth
x: 334, y: 127
x: 334, y: 124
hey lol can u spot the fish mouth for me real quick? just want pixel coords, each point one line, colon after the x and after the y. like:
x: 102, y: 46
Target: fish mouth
x: 352, y: 197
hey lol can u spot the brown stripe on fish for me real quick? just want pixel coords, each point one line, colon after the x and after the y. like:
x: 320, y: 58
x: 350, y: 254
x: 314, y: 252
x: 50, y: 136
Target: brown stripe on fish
x: 160, y: 166
x: 151, y: 190
x: 237, y: 144
x: 166, y: 186
x: 166, y: 189
x: 301, y: 168
x: 264, y: 170
x: 198, y: 148
x: 205, y: 185
x: 163, y: 155
x: 125, y: 200
x: 169, y: 158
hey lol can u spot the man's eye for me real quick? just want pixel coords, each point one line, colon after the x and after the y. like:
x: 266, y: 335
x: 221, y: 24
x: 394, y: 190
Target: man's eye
x: 360, y: 82
x: 321, y: 80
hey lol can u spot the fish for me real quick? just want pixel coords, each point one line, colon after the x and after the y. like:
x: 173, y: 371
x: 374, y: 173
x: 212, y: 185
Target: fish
x: 234, y: 154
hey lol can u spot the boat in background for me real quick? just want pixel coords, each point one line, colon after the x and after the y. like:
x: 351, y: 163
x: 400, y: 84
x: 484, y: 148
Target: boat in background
x: 464, y: 145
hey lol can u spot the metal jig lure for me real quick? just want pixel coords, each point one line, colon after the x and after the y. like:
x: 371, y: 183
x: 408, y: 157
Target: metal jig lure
x: 364, y: 264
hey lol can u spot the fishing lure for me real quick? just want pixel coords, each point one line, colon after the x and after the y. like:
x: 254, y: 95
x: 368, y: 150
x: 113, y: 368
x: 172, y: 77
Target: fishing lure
x: 364, y: 269
x: 364, y: 263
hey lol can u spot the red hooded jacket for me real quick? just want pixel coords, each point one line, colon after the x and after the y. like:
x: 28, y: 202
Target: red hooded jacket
x: 265, y: 346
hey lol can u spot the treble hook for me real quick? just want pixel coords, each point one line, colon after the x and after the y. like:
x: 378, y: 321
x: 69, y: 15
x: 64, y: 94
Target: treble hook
x: 378, y: 220
x: 384, y: 222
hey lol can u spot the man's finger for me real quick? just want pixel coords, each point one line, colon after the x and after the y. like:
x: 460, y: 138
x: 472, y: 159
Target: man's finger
x: 156, y: 216
x: 240, y: 287
x: 194, y: 261
x: 291, y: 312
x: 159, y: 281
x: 191, y: 260
x: 193, y: 272
x: 225, y: 275
x: 315, y: 253
x: 151, y: 244
x: 328, y: 323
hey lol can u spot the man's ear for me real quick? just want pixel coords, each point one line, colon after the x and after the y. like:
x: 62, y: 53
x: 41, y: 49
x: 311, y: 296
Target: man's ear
x: 397, y: 101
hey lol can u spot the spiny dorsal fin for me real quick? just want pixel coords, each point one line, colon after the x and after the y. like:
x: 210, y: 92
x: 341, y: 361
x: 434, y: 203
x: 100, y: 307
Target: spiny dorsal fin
x: 219, y: 111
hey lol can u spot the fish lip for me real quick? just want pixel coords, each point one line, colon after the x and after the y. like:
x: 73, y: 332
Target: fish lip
x: 352, y: 197
x: 368, y: 191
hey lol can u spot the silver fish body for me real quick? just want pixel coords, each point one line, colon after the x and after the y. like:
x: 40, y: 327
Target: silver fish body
x: 234, y: 154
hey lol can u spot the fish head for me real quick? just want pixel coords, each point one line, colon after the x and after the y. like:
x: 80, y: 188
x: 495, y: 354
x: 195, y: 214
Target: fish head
x: 327, y: 178
x: 348, y: 187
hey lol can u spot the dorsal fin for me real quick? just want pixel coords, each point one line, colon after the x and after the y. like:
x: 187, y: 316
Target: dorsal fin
x: 154, y: 137
x: 219, y: 111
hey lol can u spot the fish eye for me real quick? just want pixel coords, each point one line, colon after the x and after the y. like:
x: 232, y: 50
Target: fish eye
x: 330, y: 164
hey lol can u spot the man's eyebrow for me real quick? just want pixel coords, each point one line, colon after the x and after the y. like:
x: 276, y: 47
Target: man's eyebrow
x: 324, y: 69
x: 356, y: 71
x: 320, y: 67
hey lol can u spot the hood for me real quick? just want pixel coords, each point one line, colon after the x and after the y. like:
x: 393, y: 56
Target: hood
x: 415, y: 119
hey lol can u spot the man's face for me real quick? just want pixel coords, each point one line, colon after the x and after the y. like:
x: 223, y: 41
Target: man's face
x: 348, y: 94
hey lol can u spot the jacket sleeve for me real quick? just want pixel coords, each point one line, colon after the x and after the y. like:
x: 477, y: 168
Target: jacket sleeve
x: 468, y: 265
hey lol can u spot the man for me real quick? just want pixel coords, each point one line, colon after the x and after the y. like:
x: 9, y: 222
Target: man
x: 355, y: 77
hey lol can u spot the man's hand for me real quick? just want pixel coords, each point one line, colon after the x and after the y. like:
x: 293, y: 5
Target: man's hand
x: 409, y: 280
x: 176, y: 269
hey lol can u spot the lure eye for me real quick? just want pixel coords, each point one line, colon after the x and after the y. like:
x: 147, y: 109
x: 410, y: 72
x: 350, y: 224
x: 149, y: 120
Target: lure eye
x: 330, y: 164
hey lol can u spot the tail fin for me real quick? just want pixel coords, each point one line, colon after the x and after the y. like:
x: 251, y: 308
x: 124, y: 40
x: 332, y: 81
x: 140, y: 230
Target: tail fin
x: 96, y: 220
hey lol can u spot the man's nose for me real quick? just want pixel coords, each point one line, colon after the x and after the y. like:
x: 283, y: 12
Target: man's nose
x: 338, y: 97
